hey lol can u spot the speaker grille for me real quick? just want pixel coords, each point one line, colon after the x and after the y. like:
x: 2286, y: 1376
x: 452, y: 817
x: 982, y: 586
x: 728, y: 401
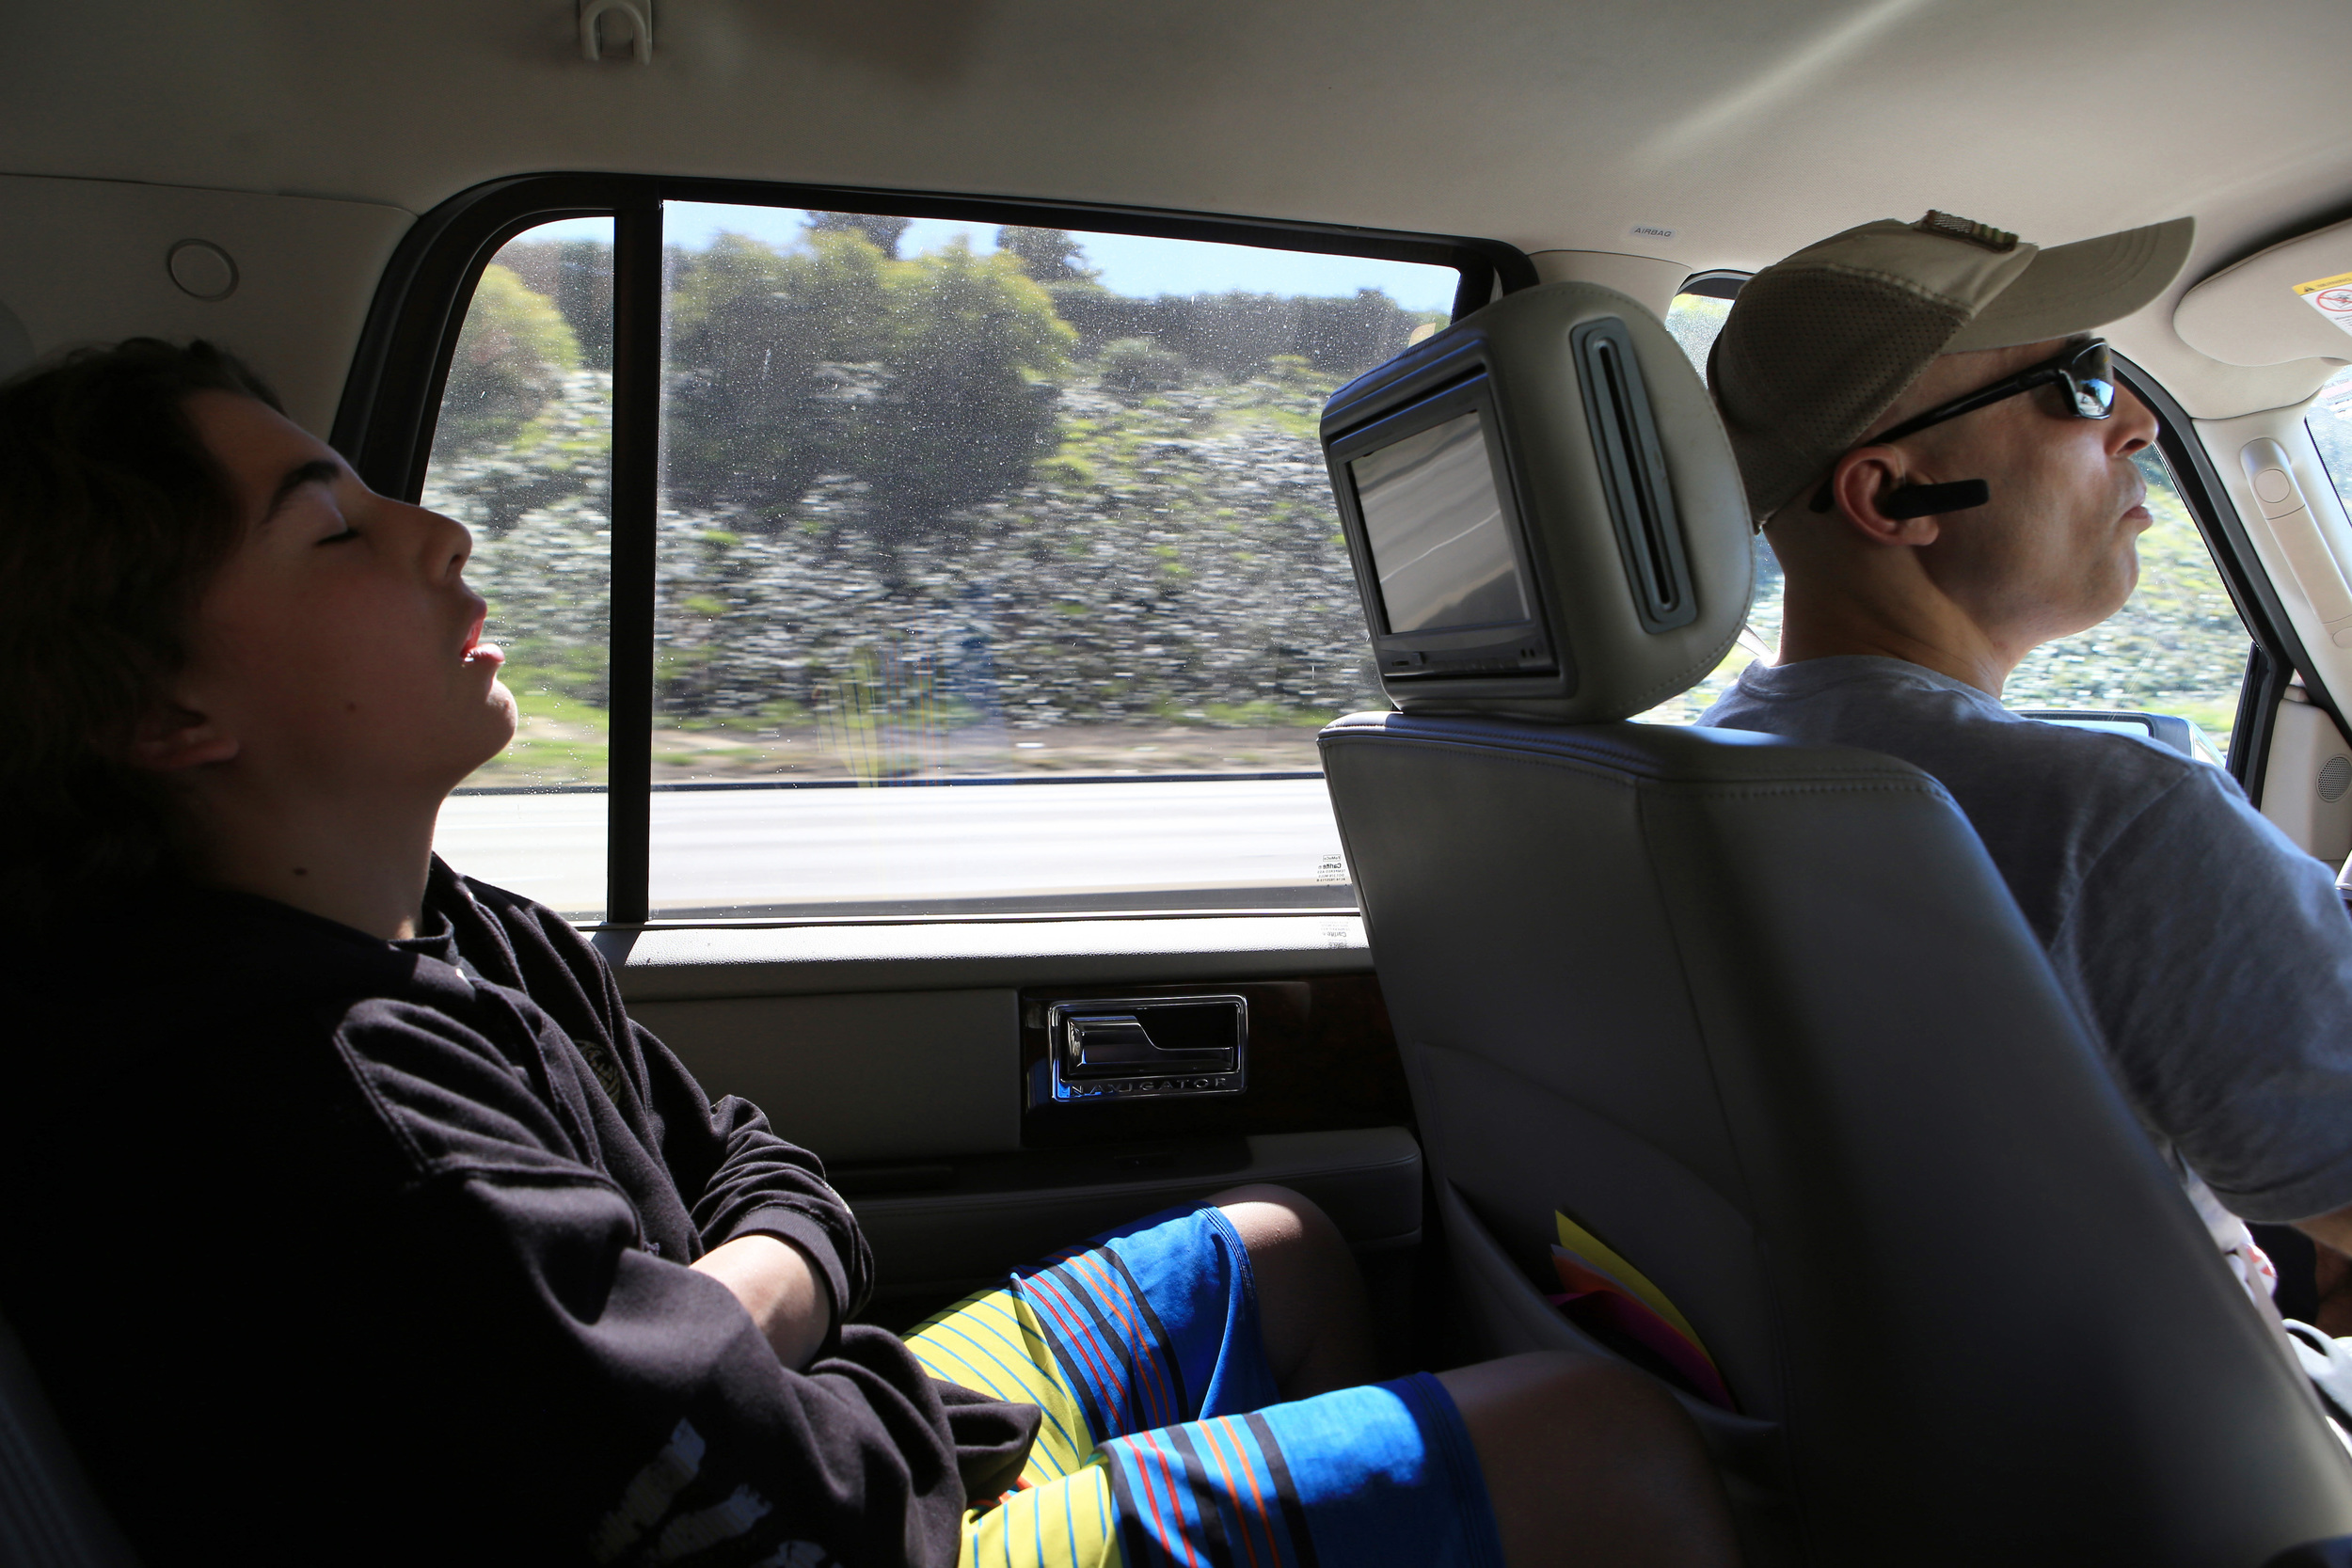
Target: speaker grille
x: 2334, y: 779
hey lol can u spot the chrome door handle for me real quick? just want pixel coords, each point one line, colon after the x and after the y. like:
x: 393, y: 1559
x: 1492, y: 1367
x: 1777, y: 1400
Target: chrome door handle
x: 1116, y: 1045
x: 1105, y: 1048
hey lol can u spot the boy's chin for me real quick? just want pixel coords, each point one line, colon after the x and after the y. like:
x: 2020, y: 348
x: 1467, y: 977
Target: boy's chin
x: 503, y: 719
x: 491, y: 734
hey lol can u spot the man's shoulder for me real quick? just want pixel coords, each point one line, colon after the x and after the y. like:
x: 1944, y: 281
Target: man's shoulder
x: 1963, y: 736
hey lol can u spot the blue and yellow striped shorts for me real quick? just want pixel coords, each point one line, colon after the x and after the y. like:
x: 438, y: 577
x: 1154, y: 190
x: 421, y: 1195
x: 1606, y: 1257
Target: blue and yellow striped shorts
x: 1163, y: 1442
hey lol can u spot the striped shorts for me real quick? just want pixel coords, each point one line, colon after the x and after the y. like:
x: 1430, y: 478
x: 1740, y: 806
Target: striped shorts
x: 1163, y: 1441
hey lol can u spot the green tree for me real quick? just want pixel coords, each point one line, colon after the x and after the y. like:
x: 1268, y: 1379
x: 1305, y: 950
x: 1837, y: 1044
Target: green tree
x: 512, y: 356
x: 753, y: 415
x: 1047, y: 255
x: 1139, y: 365
x: 880, y: 232
x: 969, y: 405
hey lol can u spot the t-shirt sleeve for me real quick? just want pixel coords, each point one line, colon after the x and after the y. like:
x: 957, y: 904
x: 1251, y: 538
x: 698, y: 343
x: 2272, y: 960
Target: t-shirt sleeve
x: 2216, y: 959
x: 618, y: 1400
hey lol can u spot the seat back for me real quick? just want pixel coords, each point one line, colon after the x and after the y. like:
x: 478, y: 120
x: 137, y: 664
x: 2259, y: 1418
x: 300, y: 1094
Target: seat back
x: 1763, y: 1020
x: 49, y: 1517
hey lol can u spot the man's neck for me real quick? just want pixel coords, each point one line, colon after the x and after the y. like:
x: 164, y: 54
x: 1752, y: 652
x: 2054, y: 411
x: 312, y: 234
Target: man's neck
x: 1817, y: 624
x: 363, y: 867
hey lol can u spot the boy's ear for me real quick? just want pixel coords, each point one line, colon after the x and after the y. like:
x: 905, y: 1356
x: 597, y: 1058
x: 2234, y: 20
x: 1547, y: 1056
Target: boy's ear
x: 172, y: 738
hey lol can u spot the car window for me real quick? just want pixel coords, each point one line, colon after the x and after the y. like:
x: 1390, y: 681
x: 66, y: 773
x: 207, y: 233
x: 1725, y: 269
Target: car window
x: 2331, y: 425
x: 2177, y: 645
x: 998, y: 570
x: 521, y: 457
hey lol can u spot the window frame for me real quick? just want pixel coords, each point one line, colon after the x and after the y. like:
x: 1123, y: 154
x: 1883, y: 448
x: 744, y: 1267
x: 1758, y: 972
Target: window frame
x: 391, y: 399
x: 2277, y: 654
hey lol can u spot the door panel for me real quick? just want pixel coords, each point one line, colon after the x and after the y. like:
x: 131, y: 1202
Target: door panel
x: 1320, y: 1055
x: 691, y: 962
x: 990, y: 1215
x: 890, y: 1075
x: 2307, y: 778
x: 914, y: 1097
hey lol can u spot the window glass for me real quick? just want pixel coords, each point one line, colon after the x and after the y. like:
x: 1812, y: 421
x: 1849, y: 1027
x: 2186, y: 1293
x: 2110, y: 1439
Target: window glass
x: 2176, y: 646
x: 520, y: 457
x: 2331, y: 425
x: 1036, y: 518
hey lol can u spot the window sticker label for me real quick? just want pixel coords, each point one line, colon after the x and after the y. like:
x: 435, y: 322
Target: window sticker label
x: 2331, y: 298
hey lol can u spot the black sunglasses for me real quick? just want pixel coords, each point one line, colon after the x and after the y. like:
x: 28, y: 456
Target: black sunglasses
x: 2087, y: 370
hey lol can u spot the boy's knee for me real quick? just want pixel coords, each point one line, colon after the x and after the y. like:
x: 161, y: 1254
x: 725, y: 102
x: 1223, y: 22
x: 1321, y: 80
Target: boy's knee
x: 1272, y: 1218
x: 1610, y: 1393
x: 1574, y: 1439
x: 1558, y: 1396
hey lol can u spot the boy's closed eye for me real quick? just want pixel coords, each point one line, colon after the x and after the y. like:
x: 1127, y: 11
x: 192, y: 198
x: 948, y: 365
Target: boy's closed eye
x: 316, y: 478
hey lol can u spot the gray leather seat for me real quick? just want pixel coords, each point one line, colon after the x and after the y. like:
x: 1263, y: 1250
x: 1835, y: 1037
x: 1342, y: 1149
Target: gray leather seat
x: 49, y: 1517
x: 1764, y: 1019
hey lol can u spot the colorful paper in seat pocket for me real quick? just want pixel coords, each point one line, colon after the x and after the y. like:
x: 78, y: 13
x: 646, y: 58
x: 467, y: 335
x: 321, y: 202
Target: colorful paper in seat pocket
x: 1604, y: 1294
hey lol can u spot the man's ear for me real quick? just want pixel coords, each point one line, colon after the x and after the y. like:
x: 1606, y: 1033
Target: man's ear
x: 1865, y: 478
x: 172, y: 738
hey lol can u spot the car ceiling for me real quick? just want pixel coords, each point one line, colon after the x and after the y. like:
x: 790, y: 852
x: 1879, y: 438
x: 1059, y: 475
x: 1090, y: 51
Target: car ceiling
x: 1745, y: 128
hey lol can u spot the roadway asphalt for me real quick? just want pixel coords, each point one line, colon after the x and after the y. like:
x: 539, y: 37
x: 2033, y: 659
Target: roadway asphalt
x: 765, y: 850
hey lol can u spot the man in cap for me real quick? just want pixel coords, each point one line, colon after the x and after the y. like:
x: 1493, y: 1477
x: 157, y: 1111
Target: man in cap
x: 1942, y: 458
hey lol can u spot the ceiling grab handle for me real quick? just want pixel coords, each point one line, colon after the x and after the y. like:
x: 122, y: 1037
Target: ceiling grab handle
x: 2295, y: 528
x: 640, y: 16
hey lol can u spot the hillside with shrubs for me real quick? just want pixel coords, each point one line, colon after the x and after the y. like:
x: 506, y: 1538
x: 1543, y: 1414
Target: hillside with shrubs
x: 964, y: 514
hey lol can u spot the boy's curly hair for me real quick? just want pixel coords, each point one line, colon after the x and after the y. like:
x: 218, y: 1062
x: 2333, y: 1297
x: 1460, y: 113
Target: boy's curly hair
x: 113, y: 519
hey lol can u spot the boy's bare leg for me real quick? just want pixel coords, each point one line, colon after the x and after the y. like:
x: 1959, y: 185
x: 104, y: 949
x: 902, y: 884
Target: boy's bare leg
x: 1311, y: 1299
x: 1586, y: 1461
x: 1589, y: 1462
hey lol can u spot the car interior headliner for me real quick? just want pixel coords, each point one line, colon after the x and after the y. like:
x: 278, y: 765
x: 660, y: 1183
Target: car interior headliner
x: 1743, y: 129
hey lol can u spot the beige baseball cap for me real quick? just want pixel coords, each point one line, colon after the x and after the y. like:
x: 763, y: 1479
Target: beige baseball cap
x: 1822, y: 343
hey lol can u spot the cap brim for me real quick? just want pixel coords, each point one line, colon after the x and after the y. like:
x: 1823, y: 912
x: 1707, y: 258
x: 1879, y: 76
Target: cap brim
x: 2075, y: 288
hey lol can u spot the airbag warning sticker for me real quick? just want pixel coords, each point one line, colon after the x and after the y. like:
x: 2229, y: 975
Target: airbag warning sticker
x: 2331, y: 298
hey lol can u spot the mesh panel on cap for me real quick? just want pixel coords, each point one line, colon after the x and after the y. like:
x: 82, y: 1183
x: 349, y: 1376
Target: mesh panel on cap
x: 1808, y: 358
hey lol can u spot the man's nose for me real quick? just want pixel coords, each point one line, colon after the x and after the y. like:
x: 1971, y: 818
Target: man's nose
x: 2132, y: 425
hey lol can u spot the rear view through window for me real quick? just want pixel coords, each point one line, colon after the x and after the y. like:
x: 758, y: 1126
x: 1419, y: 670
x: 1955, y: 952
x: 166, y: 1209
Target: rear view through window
x: 998, y: 567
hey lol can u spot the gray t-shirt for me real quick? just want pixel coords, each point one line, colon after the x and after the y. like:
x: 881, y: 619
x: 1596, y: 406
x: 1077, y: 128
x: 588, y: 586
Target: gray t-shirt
x: 2210, y: 957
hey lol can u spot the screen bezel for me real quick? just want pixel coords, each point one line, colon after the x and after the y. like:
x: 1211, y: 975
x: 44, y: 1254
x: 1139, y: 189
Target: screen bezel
x: 1498, y: 649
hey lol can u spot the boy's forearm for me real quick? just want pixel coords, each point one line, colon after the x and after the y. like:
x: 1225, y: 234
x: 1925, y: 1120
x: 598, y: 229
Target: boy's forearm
x: 785, y: 1293
x: 734, y: 1171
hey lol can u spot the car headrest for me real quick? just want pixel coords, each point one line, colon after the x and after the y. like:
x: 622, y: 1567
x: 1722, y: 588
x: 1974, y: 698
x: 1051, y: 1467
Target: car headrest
x: 1544, y: 512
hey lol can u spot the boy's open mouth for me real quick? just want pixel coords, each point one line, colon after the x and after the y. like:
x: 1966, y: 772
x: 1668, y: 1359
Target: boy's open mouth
x: 477, y: 651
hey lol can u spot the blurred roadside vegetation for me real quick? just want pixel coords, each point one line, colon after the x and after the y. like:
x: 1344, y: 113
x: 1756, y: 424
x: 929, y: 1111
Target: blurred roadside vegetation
x: 912, y: 504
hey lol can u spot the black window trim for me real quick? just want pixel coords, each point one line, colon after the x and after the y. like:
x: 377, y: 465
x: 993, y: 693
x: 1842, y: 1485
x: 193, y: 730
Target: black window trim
x: 384, y: 424
x: 2277, y: 654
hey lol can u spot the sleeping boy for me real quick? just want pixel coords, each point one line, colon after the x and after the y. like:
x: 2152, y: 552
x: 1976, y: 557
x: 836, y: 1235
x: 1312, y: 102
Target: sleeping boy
x: 354, y: 1220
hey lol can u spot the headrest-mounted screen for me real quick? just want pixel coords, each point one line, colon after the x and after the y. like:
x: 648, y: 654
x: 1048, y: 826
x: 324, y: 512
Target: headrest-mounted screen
x: 1441, y: 550
x: 1426, y: 500
x: 1543, y: 512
